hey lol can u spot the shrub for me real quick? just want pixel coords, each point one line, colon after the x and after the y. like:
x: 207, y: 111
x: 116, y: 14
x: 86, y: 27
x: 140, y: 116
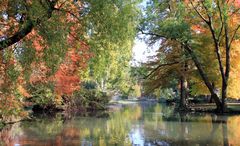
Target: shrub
x: 88, y: 99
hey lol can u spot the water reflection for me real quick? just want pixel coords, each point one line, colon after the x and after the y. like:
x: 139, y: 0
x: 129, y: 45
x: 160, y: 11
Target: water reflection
x: 143, y: 124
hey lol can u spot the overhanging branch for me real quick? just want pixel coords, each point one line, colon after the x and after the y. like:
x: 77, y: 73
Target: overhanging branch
x: 27, y: 28
x: 151, y: 33
x: 161, y: 65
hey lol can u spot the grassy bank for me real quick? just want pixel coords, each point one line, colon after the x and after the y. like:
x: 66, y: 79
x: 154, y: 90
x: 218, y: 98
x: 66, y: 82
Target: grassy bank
x: 231, y: 107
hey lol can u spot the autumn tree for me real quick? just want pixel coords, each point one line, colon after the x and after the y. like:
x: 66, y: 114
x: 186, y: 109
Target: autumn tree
x: 38, y: 38
x: 46, y: 45
x: 186, y: 21
x: 223, y: 28
x: 169, y: 69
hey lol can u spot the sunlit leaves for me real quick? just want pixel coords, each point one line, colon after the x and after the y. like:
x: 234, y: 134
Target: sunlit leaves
x: 111, y: 39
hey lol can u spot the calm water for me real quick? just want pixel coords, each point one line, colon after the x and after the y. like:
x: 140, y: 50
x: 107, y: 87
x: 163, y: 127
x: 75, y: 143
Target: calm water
x: 140, y: 125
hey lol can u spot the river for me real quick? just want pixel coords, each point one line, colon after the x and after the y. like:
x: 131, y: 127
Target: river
x: 141, y: 124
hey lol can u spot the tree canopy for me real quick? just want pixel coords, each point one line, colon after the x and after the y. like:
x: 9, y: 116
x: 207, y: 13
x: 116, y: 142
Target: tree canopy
x: 48, y: 47
x: 205, y: 31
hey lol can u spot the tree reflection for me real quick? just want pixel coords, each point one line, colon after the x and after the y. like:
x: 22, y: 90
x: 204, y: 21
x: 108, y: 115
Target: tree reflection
x: 156, y: 125
x: 76, y: 131
x: 184, y: 129
x: 233, y: 128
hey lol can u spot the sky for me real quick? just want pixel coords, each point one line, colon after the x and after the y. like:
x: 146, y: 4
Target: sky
x: 141, y: 51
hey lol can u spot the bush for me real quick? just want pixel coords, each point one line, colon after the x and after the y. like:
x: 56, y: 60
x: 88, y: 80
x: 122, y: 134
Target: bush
x: 88, y: 99
x: 42, y: 96
x: 89, y: 84
x: 11, y: 107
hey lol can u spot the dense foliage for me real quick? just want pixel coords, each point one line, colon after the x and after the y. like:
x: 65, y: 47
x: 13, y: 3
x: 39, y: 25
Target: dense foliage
x: 48, y: 47
x: 62, y: 54
x: 198, y: 47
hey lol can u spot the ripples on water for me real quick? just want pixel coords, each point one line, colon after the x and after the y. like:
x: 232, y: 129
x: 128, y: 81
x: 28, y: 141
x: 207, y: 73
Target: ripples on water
x: 142, y: 124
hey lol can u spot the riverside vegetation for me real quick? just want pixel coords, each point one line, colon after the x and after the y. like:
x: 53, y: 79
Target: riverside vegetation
x: 74, y: 55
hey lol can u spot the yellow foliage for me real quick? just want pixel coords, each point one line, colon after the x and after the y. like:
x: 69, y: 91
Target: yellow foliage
x: 58, y: 99
x: 234, y: 81
x: 137, y: 91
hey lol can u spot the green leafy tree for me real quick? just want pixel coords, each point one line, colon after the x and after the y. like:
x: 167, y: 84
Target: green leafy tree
x: 111, y: 40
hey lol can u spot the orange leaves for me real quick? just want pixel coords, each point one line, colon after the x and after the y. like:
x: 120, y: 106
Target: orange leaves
x: 66, y: 84
x: 23, y: 91
x: 74, y: 57
x: 39, y: 73
x: 66, y: 78
x: 10, y: 105
x: 37, y: 40
x: 50, y: 37
x: 198, y: 29
x: 236, y: 3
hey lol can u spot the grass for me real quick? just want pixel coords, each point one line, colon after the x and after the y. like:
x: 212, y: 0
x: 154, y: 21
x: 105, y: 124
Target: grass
x: 232, y: 107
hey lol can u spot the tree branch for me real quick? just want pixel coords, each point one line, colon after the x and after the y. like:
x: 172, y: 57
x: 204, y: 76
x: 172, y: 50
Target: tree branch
x: 221, y: 18
x: 27, y: 28
x: 206, y: 9
x: 159, y: 66
x: 234, y: 34
x: 69, y: 12
x: 201, y: 16
x: 151, y: 33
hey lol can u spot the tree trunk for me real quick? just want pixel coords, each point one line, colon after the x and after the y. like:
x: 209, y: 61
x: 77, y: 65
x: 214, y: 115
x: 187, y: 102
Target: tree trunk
x: 217, y: 102
x: 204, y: 77
x: 227, y: 68
x: 211, y: 98
x: 224, y: 96
x: 183, y: 93
x: 225, y: 131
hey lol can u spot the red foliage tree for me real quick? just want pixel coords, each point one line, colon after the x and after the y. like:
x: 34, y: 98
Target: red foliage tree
x: 66, y: 78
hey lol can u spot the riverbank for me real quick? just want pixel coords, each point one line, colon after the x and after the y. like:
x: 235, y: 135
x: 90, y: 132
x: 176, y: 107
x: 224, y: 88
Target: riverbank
x: 110, y: 107
x: 232, y: 108
x: 116, y: 105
